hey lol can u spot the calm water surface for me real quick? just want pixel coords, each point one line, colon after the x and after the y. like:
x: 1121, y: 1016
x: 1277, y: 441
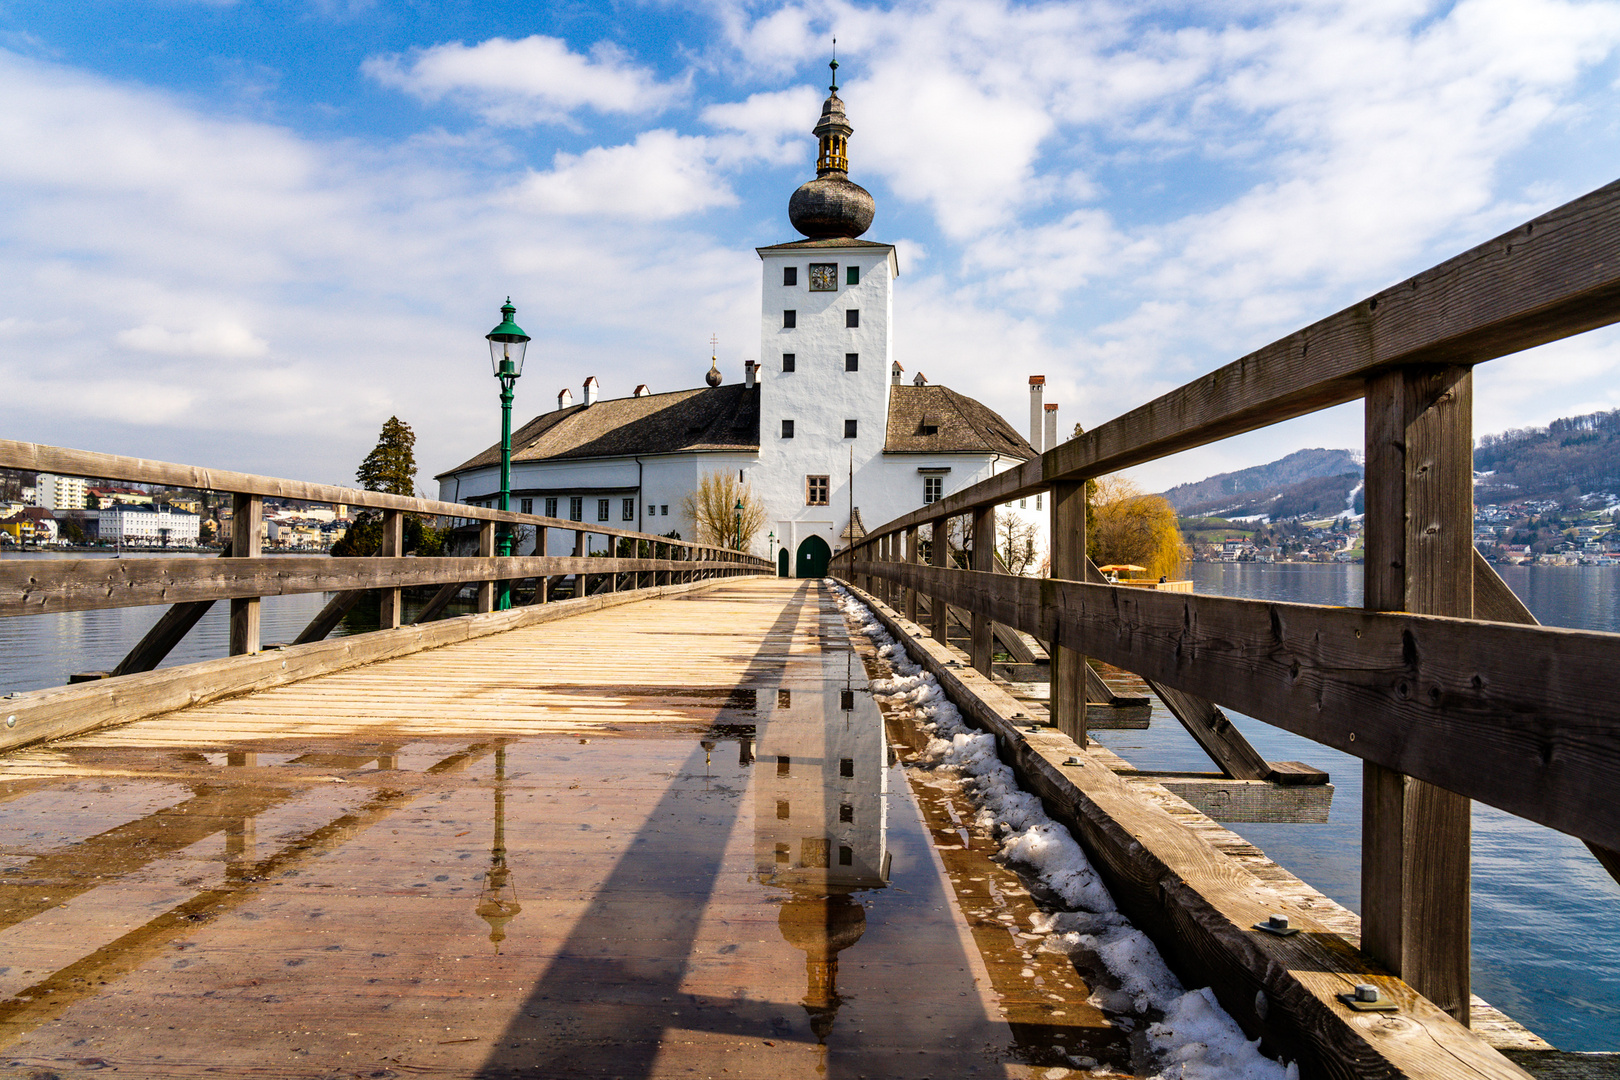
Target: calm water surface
x: 1546, y: 940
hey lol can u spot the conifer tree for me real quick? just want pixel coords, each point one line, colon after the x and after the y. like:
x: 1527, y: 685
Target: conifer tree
x: 391, y: 465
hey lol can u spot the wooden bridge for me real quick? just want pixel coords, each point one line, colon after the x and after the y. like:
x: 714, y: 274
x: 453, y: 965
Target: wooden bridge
x: 1442, y: 685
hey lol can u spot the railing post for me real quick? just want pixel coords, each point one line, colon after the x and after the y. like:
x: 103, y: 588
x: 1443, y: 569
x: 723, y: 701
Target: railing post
x: 1419, y: 536
x: 247, y: 519
x: 911, y: 557
x: 984, y: 560
x: 579, y: 553
x: 939, y: 554
x: 393, y: 546
x: 486, y: 550
x: 1067, y: 518
x: 542, y: 536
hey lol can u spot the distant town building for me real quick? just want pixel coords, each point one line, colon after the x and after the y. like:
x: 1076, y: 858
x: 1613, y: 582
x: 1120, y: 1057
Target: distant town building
x: 149, y: 526
x: 54, y: 492
x: 30, y: 525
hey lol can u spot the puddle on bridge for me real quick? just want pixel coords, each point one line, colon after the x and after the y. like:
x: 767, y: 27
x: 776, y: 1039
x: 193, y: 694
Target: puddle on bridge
x: 750, y: 892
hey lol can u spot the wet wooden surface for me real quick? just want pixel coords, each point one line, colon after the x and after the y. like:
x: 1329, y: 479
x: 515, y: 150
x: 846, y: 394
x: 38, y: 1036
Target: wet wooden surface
x: 666, y: 839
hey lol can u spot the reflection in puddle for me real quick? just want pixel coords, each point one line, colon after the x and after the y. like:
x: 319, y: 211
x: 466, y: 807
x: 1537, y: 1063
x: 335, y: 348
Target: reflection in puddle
x: 497, y: 900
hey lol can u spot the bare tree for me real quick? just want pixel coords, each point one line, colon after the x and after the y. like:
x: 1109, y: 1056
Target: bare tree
x: 1016, y: 542
x: 712, y: 508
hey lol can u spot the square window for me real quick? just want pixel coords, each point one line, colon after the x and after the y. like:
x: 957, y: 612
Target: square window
x: 815, y: 490
x: 846, y: 812
x: 652, y: 510
x: 933, y: 489
x: 789, y: 360
x: 846, y: 766
x: 823, y: 277
x: 783, y: 813
x: 790, y: 275
x: 601, y: 509
x: 852, y: 361
x: 551, y: 506
x: 784, y: 852
x: 849, y: 429
x: 852, y: 318
x: 852, y: 275
x: 787, y: 429
x: 784, y: 765
x: 846, y: 855
x: 813, y: 852
x: 784, y: 699
x: 790, y: 319
x: 663, y: 509
x: 526, y: 506
x: 629, y: 510
x: 576, y: 508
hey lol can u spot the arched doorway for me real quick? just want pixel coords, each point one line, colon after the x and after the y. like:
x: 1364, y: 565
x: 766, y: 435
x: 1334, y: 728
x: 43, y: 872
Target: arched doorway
x: 814, y: 554
x: 782, y: 563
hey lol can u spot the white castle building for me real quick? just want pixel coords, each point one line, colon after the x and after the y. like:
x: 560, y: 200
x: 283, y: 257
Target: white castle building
x: 824, y: 430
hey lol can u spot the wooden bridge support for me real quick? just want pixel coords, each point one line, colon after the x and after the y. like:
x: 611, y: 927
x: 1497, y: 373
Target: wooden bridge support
x: 247, y: 518
x: 984, y: 561
x: 486, y: 549
x: 1420, y: 558
x: 911, y: 557
x: 392, y: 610
x: 939, y: 544
x: 1067, y: 517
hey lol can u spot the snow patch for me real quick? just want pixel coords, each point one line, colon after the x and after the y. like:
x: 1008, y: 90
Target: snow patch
x: 1195, y: 1039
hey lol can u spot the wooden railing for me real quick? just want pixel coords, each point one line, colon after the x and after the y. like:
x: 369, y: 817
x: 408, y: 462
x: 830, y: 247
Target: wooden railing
x: 244, y: 575
x: 1442, y: 684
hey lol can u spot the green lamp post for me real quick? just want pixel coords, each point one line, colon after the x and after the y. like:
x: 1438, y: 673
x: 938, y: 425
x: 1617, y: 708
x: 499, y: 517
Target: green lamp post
x: 506, y: 344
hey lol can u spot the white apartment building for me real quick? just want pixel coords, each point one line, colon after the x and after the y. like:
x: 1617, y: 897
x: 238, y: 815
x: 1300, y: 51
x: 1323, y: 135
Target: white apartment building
x: 149, y: 527
x: 55, y: 492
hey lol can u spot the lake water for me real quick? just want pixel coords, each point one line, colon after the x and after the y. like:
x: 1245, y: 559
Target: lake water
x: 1546, y: 940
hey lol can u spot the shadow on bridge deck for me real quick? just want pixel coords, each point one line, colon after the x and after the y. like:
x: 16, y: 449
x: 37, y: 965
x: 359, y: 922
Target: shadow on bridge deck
x: 667, y: 839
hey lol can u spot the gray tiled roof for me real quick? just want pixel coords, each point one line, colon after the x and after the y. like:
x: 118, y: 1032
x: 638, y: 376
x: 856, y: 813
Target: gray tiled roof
x: 707, y: 418
x: 830, y: 242
x: 961, y: 425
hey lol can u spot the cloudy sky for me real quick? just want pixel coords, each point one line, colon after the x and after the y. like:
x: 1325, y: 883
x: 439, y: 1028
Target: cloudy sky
x: 242, y: 233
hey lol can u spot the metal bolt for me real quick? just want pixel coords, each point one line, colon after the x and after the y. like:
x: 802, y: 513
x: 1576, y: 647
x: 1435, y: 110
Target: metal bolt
x: 1075, y: 761
x: 1034, y: 728
x: 1278, y: 922
x: 1366, y: 992
x: 11, y: 721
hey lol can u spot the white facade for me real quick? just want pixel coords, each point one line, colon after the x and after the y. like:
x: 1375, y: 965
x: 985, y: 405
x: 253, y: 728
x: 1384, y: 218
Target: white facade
x: 55, y: 492
x: 146, y: 526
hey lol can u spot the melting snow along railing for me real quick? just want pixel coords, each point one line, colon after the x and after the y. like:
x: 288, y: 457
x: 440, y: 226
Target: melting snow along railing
x: 1443, y: 685
x: 31, y: 587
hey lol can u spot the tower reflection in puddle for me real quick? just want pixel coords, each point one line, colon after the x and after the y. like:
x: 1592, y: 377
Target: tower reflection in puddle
x: 497, y: 899
x: 821, y: 818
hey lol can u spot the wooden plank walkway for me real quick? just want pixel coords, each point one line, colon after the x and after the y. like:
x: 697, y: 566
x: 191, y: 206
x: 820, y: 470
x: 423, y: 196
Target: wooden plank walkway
x: 666, y: 839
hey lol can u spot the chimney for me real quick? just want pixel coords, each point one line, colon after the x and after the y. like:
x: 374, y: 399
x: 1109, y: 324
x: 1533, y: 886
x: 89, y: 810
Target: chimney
x: 1051, y: 427
x: 920, y: 380
x: 895, y: 371
x: 642, y: 391
x: 1037, y: 384
x: 565, y: 399
x: 748, y: 374
x: 592, y: 388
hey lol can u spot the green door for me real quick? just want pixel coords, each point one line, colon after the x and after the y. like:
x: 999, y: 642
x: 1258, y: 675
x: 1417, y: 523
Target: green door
x: 782, y: 564
x: 814, y: 554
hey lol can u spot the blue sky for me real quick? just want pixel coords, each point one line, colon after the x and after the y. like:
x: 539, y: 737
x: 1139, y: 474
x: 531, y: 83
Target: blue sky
x: 242, y: 233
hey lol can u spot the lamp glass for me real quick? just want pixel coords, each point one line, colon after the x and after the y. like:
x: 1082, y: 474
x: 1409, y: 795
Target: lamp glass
x: 501, y: 352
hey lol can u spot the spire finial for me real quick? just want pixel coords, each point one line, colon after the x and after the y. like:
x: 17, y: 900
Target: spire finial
x: 834, y: 66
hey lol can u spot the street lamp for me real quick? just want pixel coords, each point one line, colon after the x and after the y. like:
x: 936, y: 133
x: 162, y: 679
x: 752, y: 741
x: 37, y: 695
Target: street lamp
x: 506, y: 344
x: 739, y: 524
x: 772, y: 537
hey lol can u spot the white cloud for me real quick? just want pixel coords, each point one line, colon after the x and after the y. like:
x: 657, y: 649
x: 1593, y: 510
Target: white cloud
x: 660, y: 175
x: 224, y: 340
x: 773, y: 126
x: 531, y: 80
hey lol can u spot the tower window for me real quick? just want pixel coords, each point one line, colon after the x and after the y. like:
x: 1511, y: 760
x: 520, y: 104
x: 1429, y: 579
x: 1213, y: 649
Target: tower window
x: 790, y: 275
x: 852, y: 318
x: 790, y: 319
x: 576, y: 508
x: 652, y: 510
x: 849, y: 429
x: 852, y: 361
x: 783, y: 811
x: 629, y: 510
x: 846, y: 812
x: 784, y: 765
x: 551, y: 506
x: 663, y: 509
x: 815, y: 490
x: 933, y: 489
x: 601, y: 509
x: 790, y: 361
x: 852, y: 275
x: 846, y: 855
x: 846, y: 766
x: 787, y: 429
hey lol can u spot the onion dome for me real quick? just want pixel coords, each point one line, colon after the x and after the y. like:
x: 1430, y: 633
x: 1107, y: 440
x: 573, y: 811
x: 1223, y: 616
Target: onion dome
x: 714, y: 377
x: 831, y: 206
